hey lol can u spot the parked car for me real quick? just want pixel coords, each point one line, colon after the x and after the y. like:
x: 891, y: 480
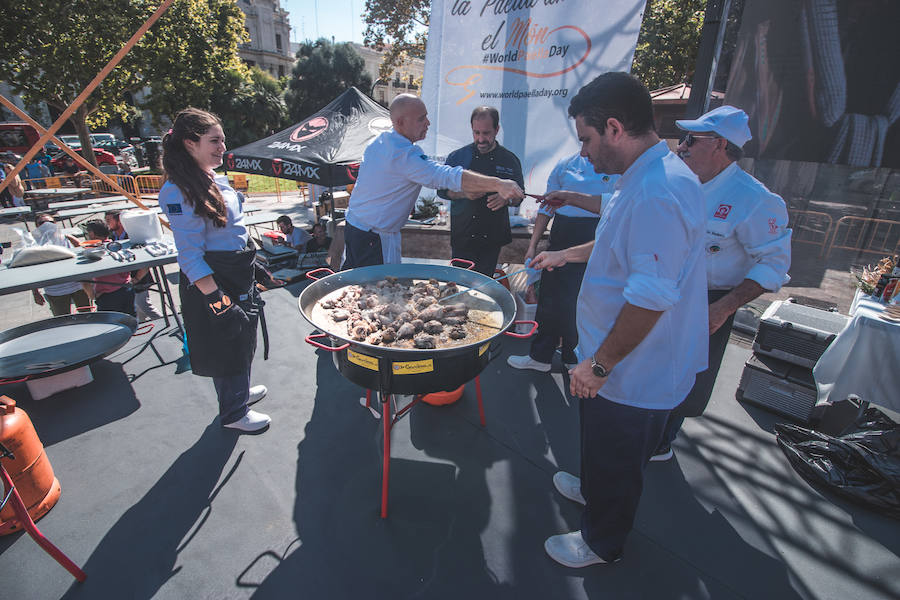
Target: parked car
x: 103, y: 158
x: 72, y: 141
x: 10, y: 157
x: 114, y: 146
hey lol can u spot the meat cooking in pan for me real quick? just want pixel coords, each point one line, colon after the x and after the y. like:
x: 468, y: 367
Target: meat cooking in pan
x: 406, y: 314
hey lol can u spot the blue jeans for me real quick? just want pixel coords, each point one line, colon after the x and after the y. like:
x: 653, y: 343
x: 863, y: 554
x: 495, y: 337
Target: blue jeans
x: 233, y: 392
x: 616, y: 444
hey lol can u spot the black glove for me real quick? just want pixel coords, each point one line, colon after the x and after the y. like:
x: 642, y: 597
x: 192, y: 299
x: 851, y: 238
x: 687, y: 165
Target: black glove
x: 226, y: 314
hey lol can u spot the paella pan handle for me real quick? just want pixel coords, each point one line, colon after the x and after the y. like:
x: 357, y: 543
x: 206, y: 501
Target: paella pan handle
x: 310, y: 339
x: 312, y: 274
x: 534, y: 327
x: 468, y: 264
x: 143, y: 330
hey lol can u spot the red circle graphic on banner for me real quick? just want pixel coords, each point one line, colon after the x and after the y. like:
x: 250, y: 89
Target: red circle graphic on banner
x: 310, y: 129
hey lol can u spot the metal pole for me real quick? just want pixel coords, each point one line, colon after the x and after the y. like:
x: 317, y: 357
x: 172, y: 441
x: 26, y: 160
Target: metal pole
x: 707, y: 57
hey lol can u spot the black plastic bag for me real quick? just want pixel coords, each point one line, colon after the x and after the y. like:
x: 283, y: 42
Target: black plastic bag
x: 862, y: 464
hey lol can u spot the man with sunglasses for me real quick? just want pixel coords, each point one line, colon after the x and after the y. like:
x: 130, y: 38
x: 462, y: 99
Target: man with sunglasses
x: 748, y: 244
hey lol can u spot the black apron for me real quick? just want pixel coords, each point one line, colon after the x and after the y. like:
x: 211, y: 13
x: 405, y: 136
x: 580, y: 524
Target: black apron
x: 212, y: 355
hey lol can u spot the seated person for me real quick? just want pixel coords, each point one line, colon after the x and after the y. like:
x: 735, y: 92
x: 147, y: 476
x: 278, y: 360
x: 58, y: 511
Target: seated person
x: 69, y: 167
x: 61, y: 296
x: 110, y: 292
x: 143, y: 305
x: 319, y: 242
x: 295, y: 237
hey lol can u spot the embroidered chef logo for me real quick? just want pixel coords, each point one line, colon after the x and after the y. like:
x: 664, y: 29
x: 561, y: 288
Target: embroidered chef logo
x: 353, y: 171
x: 310, y: 129
x: 229, y: 161
x: 773, y: 226
x: 276, y: 167
x: 722, y: 211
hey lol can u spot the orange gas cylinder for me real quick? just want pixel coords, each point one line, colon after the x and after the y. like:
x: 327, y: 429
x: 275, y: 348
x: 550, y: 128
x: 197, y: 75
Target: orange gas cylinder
x: 30, y: 470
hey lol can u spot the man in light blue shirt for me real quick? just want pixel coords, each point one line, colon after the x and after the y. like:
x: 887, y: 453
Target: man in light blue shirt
x: 641, y: 313
x: 392, y: 173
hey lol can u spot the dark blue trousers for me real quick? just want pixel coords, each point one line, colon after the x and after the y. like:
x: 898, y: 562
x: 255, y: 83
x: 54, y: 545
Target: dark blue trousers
x: 698, y: 397
x: 558, y: 294
x: 120, y: 300
x: 233, y: 392
x: 361, y: 248
x: 616, y: 444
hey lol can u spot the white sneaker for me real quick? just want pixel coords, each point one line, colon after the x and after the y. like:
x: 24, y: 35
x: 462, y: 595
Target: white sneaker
x: 569, y: 486
x: 526, y: 362
x: 571, y: 550
x: 252, y: 421
x: 257, y: 393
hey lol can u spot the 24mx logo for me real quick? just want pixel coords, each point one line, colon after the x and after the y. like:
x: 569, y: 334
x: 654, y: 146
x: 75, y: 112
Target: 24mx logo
x: 295, y: 170
x: 247, y: 164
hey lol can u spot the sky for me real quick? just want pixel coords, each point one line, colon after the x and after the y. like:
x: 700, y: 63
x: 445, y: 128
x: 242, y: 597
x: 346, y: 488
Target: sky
x: 312, y: 19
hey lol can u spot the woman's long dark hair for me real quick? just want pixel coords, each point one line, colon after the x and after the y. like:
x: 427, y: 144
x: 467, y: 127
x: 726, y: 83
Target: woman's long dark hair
x: 179, y: 167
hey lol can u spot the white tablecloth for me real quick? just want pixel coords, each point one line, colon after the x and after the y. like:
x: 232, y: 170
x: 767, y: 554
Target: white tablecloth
x: 864, y: 359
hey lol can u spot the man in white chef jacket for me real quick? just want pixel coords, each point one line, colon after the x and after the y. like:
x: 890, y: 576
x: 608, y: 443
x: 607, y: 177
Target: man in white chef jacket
x: 748, y: 244
x: 641, y: 313
x: 392, y: 173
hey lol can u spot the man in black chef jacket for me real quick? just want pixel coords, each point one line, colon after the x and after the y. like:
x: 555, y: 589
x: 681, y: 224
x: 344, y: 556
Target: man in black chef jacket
x: 479, y: 225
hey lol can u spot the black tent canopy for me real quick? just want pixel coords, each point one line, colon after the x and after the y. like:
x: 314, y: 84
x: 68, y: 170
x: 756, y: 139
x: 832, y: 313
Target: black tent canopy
x: 324, y: 149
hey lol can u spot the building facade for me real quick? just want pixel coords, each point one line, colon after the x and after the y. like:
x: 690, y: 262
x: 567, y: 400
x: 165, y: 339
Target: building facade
x: 407, y: 79
x: 269, y: 47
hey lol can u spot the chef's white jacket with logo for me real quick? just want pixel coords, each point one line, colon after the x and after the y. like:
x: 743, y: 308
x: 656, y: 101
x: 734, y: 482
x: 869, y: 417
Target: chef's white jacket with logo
x: 746, y: 232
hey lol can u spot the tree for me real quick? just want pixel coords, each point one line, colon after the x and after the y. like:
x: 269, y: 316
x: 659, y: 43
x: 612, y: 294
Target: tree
x: 256, y: 109
x: 399, y: 28
x: 323, y: 71
x: 667, y: 44
x: 54, y: 48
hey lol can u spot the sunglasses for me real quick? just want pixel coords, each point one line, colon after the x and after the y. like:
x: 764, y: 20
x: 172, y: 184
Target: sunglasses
x: 689, y: 139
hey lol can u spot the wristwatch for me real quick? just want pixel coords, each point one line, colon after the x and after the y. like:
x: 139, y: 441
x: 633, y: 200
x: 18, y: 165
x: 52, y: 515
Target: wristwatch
x: 598, y: 369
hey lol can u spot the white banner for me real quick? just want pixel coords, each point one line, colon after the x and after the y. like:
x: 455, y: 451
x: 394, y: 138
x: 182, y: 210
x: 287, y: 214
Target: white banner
x: 527, y: 58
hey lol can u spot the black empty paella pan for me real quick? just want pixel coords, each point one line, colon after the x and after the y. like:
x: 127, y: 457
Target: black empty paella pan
x: 408, y: 370
x: 60, y: 344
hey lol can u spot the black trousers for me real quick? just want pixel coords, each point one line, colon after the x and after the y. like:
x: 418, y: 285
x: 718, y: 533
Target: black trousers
x: 559, y: 289
x: 485, y: 257
x: 617, y: 442
x: 698, y: 398
x: 361, y: 248
x: 120, y: 300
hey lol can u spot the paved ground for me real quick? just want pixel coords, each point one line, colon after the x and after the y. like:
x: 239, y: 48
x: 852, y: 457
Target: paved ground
x: 158, y: 501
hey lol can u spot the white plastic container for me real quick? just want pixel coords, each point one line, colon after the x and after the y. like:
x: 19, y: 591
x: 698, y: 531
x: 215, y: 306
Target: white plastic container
x: 524, y: 312
x: 47, y: 386
x: 142, y: 226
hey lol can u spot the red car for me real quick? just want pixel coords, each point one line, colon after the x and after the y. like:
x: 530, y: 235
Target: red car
x: 103, y: 158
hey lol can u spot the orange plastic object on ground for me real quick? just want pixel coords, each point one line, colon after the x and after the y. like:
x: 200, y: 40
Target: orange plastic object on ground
x: 498, y: 273
x: 441, y: 398
x: 30, y: 471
